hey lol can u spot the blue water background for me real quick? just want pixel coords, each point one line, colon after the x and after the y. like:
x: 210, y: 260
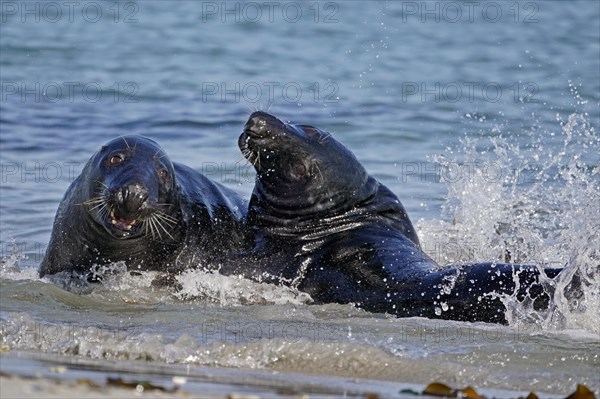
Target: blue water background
x: 170, y: 70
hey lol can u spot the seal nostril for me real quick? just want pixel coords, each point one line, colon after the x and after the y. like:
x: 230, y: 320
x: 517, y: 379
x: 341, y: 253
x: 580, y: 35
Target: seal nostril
x: 120, y: 196
x: 258, y: 121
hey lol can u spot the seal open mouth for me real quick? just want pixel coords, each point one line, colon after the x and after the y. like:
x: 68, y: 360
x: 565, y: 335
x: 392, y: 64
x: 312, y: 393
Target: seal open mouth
x: 117, y: 221
x: 122, y: 223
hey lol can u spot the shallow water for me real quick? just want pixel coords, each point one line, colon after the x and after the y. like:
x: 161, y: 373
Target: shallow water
x: 512, y: 168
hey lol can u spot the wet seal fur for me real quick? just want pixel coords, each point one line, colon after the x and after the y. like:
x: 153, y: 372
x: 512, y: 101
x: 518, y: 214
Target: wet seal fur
x: 132, y: 204
x: 322, y: 224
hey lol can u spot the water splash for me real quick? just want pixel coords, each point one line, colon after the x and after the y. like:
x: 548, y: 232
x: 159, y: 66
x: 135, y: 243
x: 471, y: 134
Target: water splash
x: 11, y: 267
x: 536, y: 204
x: 235, y: 290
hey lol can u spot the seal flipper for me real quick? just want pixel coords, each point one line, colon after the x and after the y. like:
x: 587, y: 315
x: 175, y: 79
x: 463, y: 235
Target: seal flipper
x: 473, y: 292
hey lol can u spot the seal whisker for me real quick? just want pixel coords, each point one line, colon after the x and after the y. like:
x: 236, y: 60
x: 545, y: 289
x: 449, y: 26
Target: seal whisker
x: 159, y: 224
x: 156, y: 156
x: 102, y: 183
x: 153, y: 228
x: 126, y: 143
x: 326, y: 136
x: 166, y: 218
x: 100, y: 204
x: 270, y: 104
x: 248, y: 155
x: 251, y: 107
x: 148, y: 228
x: 144, y: 227
x: 241, y: 158
x: 104, y: 211
x: 94, y: 200
x: 256, y: 159
x: 320, y: 173
x: 251, y: 158
x: 97, y: 202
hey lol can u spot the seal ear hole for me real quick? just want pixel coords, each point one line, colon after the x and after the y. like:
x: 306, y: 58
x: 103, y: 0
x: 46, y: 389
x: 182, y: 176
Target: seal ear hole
x: 299, y: 170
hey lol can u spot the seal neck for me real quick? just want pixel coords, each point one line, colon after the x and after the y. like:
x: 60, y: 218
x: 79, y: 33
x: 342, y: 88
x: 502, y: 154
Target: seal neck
x: 372, y: 204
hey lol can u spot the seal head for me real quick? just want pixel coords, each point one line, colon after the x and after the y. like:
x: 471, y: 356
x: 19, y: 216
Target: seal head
x: 132, y: 189
x: 297, y: 167
x: 305, y: 176
x: 132, y: 204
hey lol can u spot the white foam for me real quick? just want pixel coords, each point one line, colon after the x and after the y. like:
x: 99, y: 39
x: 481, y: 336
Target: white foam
x: 235, y: 290
x: 543, y: 210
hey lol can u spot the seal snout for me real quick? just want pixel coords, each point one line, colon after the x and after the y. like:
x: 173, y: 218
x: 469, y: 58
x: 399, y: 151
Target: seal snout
x: 129, y: 202
x: 131, y: 198
x: 260, y: 124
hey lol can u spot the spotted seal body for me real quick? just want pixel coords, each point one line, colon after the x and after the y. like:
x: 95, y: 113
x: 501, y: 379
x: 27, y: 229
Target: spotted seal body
x: 322, y: 224
x: 132, y: 204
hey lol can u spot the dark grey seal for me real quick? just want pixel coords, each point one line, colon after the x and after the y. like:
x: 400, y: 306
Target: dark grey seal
x: 322, y: 224
x: 131, y: 204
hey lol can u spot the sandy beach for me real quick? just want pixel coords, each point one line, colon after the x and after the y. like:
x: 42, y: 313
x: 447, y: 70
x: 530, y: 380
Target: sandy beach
x: 30, y: 375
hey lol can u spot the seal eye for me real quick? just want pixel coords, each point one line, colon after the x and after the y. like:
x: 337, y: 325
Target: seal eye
x: 116, y: 159
x: 311, y: 132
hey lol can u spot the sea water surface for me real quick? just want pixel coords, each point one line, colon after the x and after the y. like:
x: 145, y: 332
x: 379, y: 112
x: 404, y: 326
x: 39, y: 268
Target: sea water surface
x: 481, y: 116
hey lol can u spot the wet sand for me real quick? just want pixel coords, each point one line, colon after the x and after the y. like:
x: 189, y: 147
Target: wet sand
x: 33, y: 375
